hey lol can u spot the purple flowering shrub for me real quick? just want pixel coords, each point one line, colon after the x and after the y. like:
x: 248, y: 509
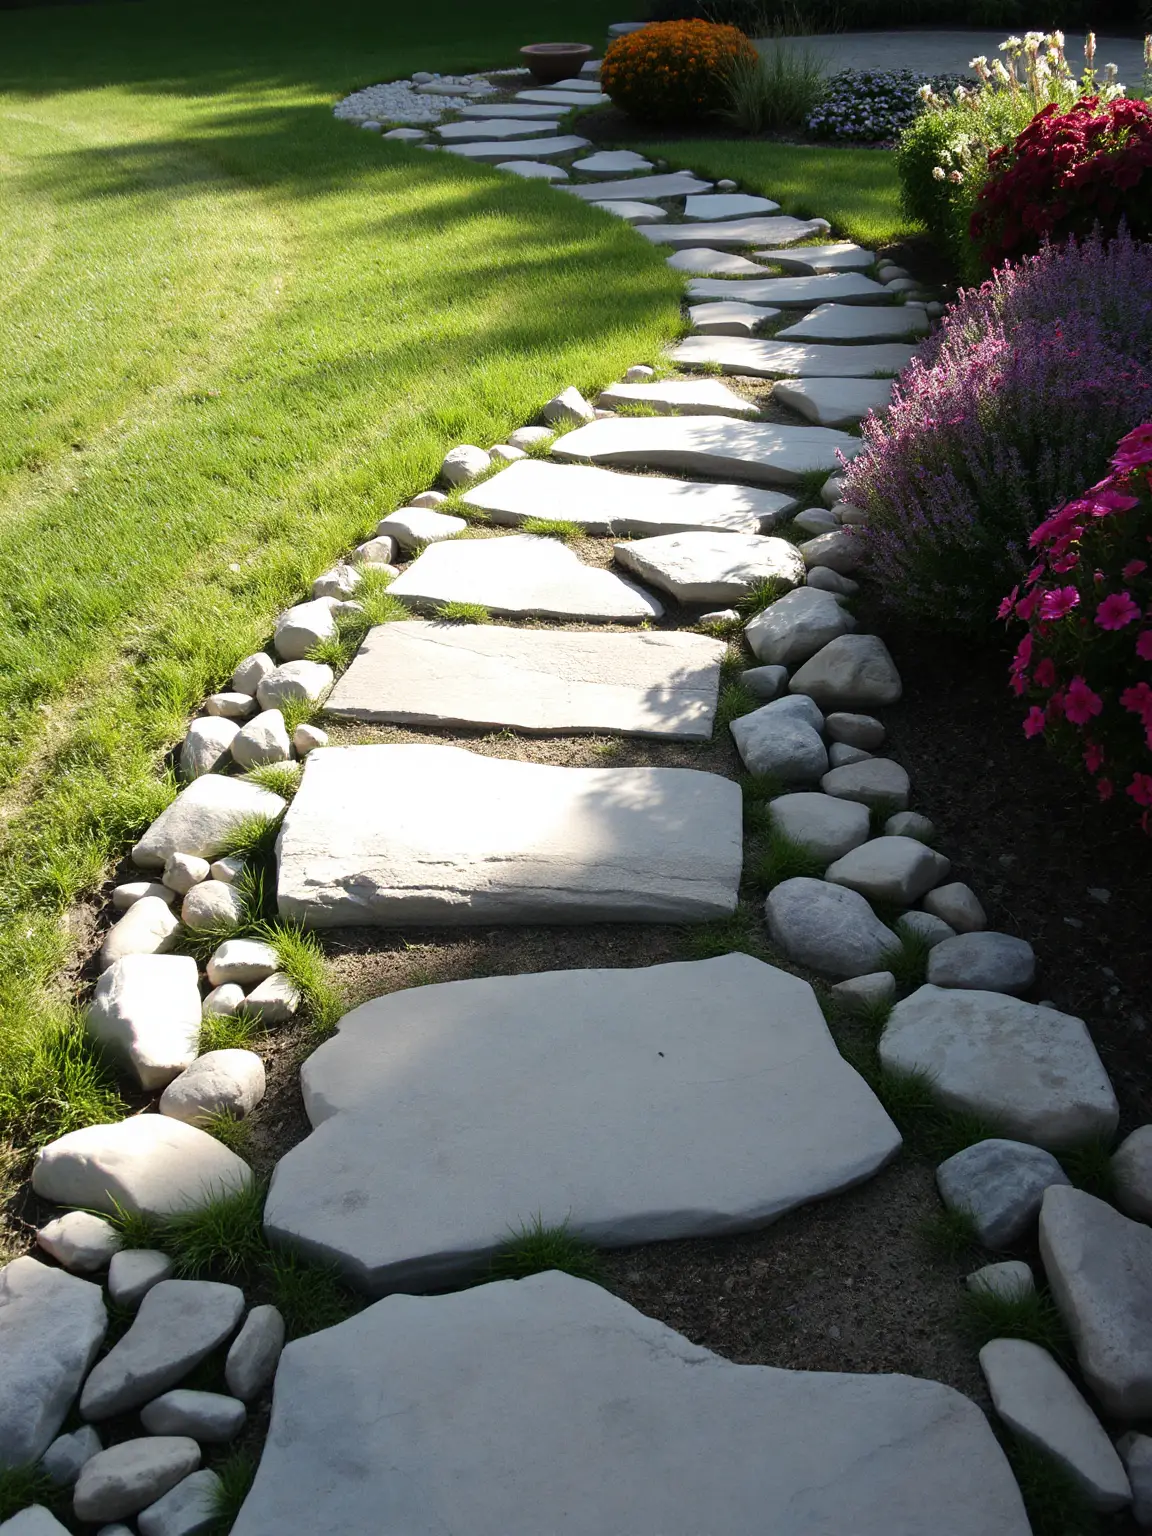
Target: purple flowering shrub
x: 1009, y: 409
x: 1085, y: 662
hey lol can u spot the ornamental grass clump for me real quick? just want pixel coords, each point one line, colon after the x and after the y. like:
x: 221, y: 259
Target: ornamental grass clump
x: 1085, y: 662
x: 675, y: 71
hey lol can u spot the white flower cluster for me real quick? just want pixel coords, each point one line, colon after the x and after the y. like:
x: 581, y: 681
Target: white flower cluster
x: 871, y: 105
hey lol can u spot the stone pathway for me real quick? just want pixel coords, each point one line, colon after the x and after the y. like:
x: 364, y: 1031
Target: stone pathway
x: 637, y: 1104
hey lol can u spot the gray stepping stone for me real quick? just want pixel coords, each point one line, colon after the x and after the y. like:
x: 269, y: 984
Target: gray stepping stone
x: 52, y: 1325
x: 602, y: 502
x: 1032, y: 1072
x: 706, y: 262
x: 526, y: 149
x: 528, y: 111
x: 775, y: 741
x: 769, y: 232
x: 727, y: 205
x: 522, y: 575
x: 533, y: 170
x: 857, y: 322
x: 678, y: 1100
x: 679, y: 397
x: 607, y: 162
x: 794, y: 292
x: 203, y: 818
x: 634, y: 213
x: 550, y: 845
x: 674, y: 184
x: 756, y: 451
x: 989, y: 962
x: 783, y: 359
x: 552, y: 1377
x: 733, y: 319
x: 564, y: 98
x: 1099, y: 1269
x: 496, y: 128
x: 834, y: 402
x: 710, y: 567
x: 652, y: 684
x: 837, y: 256
x: 1000, y: 1184
x: 831, y: 930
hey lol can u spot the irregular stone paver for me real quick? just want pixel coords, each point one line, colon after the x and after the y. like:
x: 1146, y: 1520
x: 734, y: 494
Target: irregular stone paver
x: 797, y: 625
x: 151, y: 1165
x: 203, y: 818
x: 757, y: 451
x: 1032, y: 1072
x: 127, y: 1477
x: 564, y: 98
x: 522, y: 575
x: 146, y: 1011
x: 704, y: 261
x: 608, y: 162
x: 828, y: 827
x: 189, y: 1509
x: 51, y: 1327
x: 525, y: 111
x: 205, y: 1416
x: 527, y: 149
x: 878, y: 782
x: 727, y: 205
x: 1132, y: 1174
x: 634, y: 213
x: 601, y: 502
x: 552, y: 845
x: 551, y: 1377
x: 729, y: 319
x: 1038, y: 1402
x: 651, y: 684
x: 1010, y: 1278
x: 219, y: 1082
x: 710, y: 567
x: 1099, y: 1269
x: 794, y: 292
x: 179, y: 1323
x: 989, y: 962
x: 600, y: 1096
x: 497, y: 128
x: 828, y: 928
x: 254, y: 1352
x: 80, y: 1241
x: 836, y: 256
x: 857, y: 322
x: 790, y: 359
x: 675, y: 184
x: 834, y: 402
x: 1000, y: 1184
x: 897, y: 870
x: 533, y: 170
x: 677, y: 397
x: 781, y: 230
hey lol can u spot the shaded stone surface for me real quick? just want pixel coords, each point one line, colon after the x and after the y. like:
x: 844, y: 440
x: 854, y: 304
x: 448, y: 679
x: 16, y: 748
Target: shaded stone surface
x: 781, y: 230
x: 703, y: 206
x: 635, y: 213
x: 895, y: 870
x: 1132, y: 1174
x: 552, y: 844
x: 703, y: 261
x: 877, y: 782
x: 990, y: 962
x: 857, y: 322
x: 797, y: 625
x: 127, y: 1477
x: 607, y: 162
x: 552, y: 1378
x: 794, y: 292
x: 826, y: 826
x: 1000, y: 1184
x: 524, y: 149
x: 189, y: 1509
x: 253, y: 1353
x: 835, y: 256
x: 710, y: 567
x: 674, y: 184
x: 729, y: 319
x: 773, y: 740
x: 498, y: 128
x: 790, y: 359
x: 828, y: 928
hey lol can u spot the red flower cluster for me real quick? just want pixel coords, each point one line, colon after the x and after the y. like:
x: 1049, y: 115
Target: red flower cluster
x: 673, y: 71
x: 1087, y: 656
x: 1067, y: 172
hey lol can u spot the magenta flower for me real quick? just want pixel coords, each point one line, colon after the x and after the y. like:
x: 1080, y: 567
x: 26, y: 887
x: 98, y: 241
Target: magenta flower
x: 1065, y: 563
x: 1144, y: 645
x: 1045, y: 674
x: 1023, y: 654
x: 1094, y: 757
x: 1138, y: 700
x: 1034, y: 722
x: 1059, y: 601
x: 1007, y: 604
x: 1104, y: 788
x: 1026, y: 606
x: 1141, y: 788
x: 1134, y: 449
x: 1080, y: 703
x: 1105, y: 502
x: 1133, y: 569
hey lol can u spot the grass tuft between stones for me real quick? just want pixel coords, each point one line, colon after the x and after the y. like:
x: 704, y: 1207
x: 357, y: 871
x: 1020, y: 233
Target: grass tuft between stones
x: 761, y: 594
x: 236, y: 1472
x: 281, y: 779
x: 1055, y: 1503
x: 463, y: 613
x: 29, y: 1484
x: 735, y: 699
x: 1031, y: 1315
x: 783, y: 858
x: 552, y: 528
x: 1089, y: 1165
x: 534, y: 1247
x: 951, y: 1233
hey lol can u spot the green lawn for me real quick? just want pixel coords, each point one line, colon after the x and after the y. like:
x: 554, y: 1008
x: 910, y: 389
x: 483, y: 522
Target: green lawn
x: 235, y: 333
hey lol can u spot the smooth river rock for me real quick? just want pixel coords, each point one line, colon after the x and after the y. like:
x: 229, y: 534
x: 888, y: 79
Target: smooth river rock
x: 797, y: 625
x: 203, y: 818
x: 827, y: 827
x: 146, y: 1012
x: 1000, y: 1184
x: 850, y: 672
x: 828, y: 928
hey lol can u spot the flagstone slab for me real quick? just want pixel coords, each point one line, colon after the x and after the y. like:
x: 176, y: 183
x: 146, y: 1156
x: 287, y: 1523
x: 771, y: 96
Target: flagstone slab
x: 711, y: 567
x: 564, y: 98
x: 610, y: 161
x: 757, y: 451
x: 533, y: 170
x: 834, y: 402
x: 635, y: 213
x: 602, y: 502
x: 705, y: 262
x: 837, y: 256
x: 519, y: 576
x: 679, y: 397
x: 640, y: 1104
x: 507, y: 109
x: 497, y: 128
x: 729, y: 319
x: 403, y: 835
x: 671, y: 184
x: 526, y: 149
x: 708, y: 206
x: 651, y: 684
x: 857, y: 322
x: 493, y: 1410
x: 794, y: 292
x: 784, y: 359
x: 781, y: 230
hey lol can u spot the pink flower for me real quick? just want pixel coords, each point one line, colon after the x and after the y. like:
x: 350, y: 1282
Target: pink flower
x: 1045, y: 674
x: 1141, y: 788
x: 1023, y: 654
x: 1094, y: 757
x: 1135, y: 449
x: 1080, y: 703
x: 1056, y: 603
x: 1116, y: 611
x: 1018, y: 683
x: 1144, y: 645
x: 1105, y: 502
x: 1133, y: 569
x: 1035, y: 573
x: 1026, y: 605
x: 1034, y: 722
x: 1005, y: 609
x: 1065, y: 563
x: 1138, y: 700
x: 1104, y: 788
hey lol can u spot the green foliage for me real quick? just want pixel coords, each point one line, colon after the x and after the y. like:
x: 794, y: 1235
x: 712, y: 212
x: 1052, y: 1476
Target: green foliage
x: 254, y: 838
x: 742, y: 933
x: 761, y: 594
x: 929, y: 1128
x: 463, y: 613
x: 784, y: 859
x: 302, y: 960
x: 230, y: 1130
x: 909, y: 963
x: 533, y: 1247
x: 53, y: 1078
x: 225, y: 1236
x: 29, y: 1484
x: 236, y: 1472
x: 282, y: 779
x: 1031, y: 1315
x: 951, y: 1233
x: 310, y: 1296
x: 735, y: 700
x: 552, y: 528
x: 229, y: 1032
x: 1055, y: 1502
x: 775, y: 91
x: 1089, y: 1166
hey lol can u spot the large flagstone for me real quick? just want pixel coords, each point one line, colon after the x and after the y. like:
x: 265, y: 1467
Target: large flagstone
x: 757, y: 451
x: 680, y: 397
x: 415, y: 835
x: 711, y: 567
x: 792, y: 292
x: 729, y: 319
x: 651, y: 684
x: 670, y: 184
x: 497, y: 128
x: 798, y: 359
x: 834, y: 402
x: 529, y: 111
x: 780, y: 230
x: 727, y: 205
x: 521, y: 576
x: 838, y: 256
x: 528, y: 1407
x: 564, y: 97
x: 688, y: 1099
x: 602, y: 502
x: 857, y: 322
x: 635, y: 213
x: 525, y: 149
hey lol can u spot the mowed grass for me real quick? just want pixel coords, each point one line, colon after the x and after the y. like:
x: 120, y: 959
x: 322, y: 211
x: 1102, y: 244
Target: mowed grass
x: 856, y: 190
x: 235, y: 332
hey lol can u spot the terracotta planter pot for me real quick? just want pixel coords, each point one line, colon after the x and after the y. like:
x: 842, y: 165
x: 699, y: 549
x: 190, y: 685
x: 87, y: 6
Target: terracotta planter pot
x: 550, y: 62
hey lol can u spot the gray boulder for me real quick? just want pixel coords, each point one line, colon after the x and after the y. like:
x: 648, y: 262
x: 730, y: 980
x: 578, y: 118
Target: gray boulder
x: 828, y: 928
x: 989, y: 962
x: 263, y: 740
x: 219, y: 1082
x: 797, y: 625
x: 147, y: 928
x: 841, y: 551
x: 1010, y: 1279
x: 863, y: 731
x: 80, y: 1241
x: 67, y: 1455
x: 826, y: 826
x: 1132, y: 1172
x: 308, y: 681
x: 243, y: 960
x: 247, y: 674
x: 765, y: 682
x: 891, y: 869
x: 298, y: 629
x: 879, y: 783
x: 1000, y: 1184
x: 254, y: 1353
x: 851, y: 672
x: 129, y: 1476
x: 958, y: 906
x: 933, y: 930
x: 207, y: 744
x: 189, y: 1509
x: 779, y: 744
x: 134, y: 1271
x: 205, y: 1416
x: 203, y: 818
x: 1136, y: 1453
x: 212, y: 904
x: 146, y: 1011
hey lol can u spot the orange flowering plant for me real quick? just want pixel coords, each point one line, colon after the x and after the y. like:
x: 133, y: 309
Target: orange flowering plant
x: 674, y: 71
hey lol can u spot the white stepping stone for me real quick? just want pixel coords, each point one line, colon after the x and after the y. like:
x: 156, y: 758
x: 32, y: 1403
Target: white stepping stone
x: 574, y: 83
x: 652, y: 684
x: 732, y: 319
x: 857, y: 322
x: 203, y: 818
x: 770, y: 232
x: 679, y: 397
x: 674, y: 184
x: 609, y: 161
x: 635, y: 213
x: 549, y: 844
x: 602, y: 502
x: 526, y: 149
x: 1032, y: 1072
x: 781, y: 359
x: 837, y: 256
x: 678, y: 1100
x: 522, y: 575
x: 705, y: 262
x: 727, y: 205
x: 794, y: 292
x: 533, y: 170
x: 756, y: 451
x: 567, y: 97
x: 710, y: 567
x: 496, y: 128
x: 505, y: 109
x: 834, y: 402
